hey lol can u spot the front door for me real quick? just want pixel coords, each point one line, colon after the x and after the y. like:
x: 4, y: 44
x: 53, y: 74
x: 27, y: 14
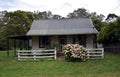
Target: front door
x: 62, y: 41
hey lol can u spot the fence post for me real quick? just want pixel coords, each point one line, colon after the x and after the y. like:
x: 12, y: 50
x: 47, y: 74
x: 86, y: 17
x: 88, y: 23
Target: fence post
x: 87, y: 53
x: 34, y: 55
x: 55, y: 52
x: 18, y: 55
x: 102, y: 53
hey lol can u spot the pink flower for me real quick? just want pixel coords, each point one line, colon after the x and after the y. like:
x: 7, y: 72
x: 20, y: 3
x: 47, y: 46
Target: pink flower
x: 75, y: 49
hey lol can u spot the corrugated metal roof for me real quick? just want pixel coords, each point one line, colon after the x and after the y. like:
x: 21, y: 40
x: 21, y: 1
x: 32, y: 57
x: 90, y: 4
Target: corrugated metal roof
x: 62, y: 27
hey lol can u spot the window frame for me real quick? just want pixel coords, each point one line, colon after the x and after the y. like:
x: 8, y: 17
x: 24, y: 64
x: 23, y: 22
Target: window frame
x: 44, y: 41
x: 79, y: 39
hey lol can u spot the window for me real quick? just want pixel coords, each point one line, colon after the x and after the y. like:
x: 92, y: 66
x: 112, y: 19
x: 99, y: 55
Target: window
x: 79, y: 39
x: 62, y: 40
x: 44, y: 41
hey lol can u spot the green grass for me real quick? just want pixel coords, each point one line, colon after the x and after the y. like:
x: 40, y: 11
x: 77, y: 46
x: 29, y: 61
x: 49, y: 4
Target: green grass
x: 107, y: 67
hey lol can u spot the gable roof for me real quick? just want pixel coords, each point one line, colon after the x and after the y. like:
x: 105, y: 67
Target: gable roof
x: 62, y: 27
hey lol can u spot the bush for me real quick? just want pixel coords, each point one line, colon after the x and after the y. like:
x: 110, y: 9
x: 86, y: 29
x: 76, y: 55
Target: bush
x: 74, y: 52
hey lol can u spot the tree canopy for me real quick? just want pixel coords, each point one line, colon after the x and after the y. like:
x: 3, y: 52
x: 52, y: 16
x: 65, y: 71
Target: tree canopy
x: 79, y: 13
x: 110, y: 33
x: 14, y: 23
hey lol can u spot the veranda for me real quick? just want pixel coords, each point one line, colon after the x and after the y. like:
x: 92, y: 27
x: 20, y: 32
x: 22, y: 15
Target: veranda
x: 25, y: 51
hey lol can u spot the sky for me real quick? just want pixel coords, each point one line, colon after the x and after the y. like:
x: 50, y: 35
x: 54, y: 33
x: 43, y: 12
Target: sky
x: 62, y: 7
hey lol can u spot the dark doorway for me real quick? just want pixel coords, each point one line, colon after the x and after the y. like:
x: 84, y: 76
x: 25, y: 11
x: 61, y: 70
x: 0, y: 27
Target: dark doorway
x: 62, y: 41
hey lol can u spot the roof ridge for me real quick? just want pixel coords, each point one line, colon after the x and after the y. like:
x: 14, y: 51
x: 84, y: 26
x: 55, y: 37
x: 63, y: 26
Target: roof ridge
x: 61, y: 19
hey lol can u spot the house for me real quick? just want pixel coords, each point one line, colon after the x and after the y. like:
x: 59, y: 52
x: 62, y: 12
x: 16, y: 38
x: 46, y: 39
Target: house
x: 46, y: 33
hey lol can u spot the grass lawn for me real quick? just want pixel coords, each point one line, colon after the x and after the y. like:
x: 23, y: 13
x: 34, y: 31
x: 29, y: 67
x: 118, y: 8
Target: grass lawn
x: 107, y: 67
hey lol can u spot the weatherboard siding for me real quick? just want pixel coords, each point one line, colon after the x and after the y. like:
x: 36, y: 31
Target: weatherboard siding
x: 54, y: 40
x: 35, y: 42
x: 89, y: 41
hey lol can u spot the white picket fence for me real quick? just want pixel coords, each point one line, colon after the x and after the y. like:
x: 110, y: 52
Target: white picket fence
x: 36, y: 54
x: 97, y: 53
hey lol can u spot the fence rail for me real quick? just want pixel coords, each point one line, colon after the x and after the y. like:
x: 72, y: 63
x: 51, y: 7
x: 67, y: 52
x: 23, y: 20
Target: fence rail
x: 97, y: 53
x: 36, y: 54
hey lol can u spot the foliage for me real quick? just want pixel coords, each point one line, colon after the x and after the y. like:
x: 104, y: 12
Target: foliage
x: 2, y: 14
x: 79, y: 13
x: 97, y: 20
x: 14, y: 23
x: 45, y: 15
x: 19, y: 21
x: 110, y: 33
x: 111, y: 17
x: 74, y: 51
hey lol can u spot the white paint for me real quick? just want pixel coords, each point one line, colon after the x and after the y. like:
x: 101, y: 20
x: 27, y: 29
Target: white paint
x: 35, y: 54
x: 95, y: 53
x: 89, y: 41
x: 35, y: 42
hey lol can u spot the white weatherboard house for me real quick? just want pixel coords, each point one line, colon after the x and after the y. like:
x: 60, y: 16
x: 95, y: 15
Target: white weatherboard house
x: 49, y: 34
x: 46, y: 33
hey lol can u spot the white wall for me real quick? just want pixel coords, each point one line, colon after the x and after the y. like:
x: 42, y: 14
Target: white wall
x: 54, y: 40
x: 35, y: 42
x: 89, y: 41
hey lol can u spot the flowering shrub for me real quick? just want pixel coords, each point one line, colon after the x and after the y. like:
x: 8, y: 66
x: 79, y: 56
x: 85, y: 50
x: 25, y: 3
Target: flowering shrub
x: 74, y: 51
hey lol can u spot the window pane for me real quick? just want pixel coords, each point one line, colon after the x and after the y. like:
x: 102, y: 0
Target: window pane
x: 79, y: 39
x: 44, y: 41
x: 62, y: 40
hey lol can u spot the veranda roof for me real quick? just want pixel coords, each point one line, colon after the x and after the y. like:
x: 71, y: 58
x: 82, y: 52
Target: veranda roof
x: 62, y: 27
x: 19, y: 37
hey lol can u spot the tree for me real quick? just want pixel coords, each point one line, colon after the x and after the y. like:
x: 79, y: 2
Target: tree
x: 15, y: 23
x: 97, y: 20
x: 110, y: 33
x: 2, y: 13
x: 79, y: 13
x: 111, y: 17
x: 56, y: 16
x: 42, y: 15
x: 19, y: 21
x: 46, y: 15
